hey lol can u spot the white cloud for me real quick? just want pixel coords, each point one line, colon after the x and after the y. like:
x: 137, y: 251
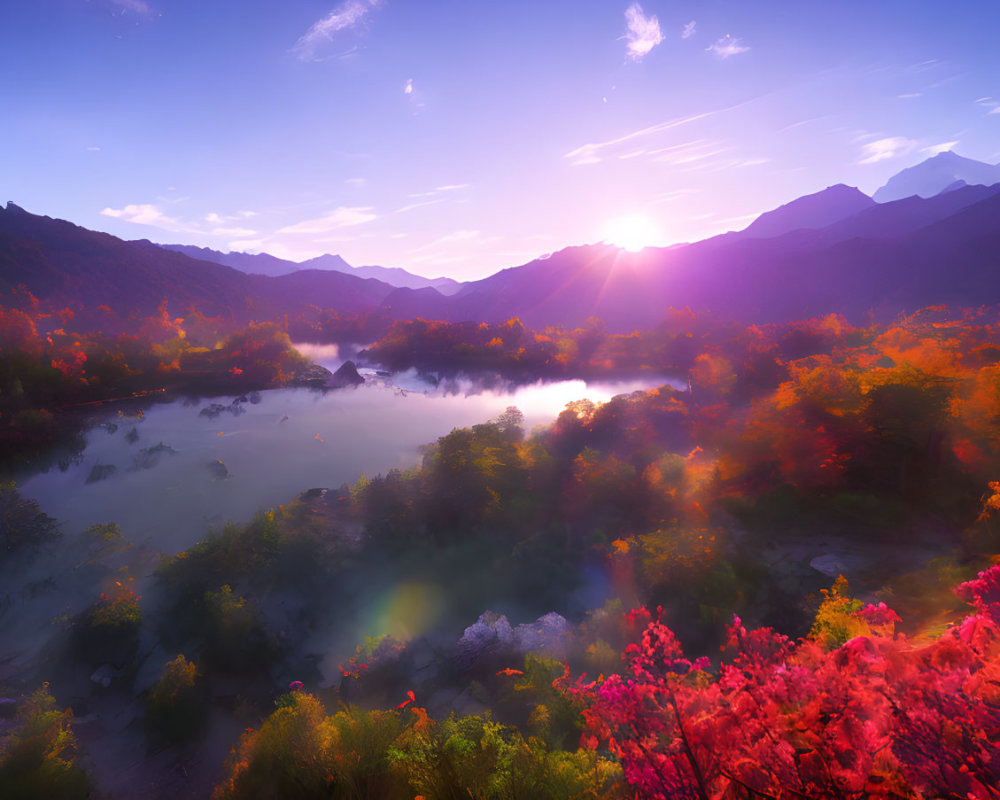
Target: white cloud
x: 909, y: 95
x: 144, y: 214
x: 246, y: 245
x: 344, y: 17
x: 138, y: 6
x: 643, y: 32
x: 214, y: 218
x: 596, y: 151
x: 689, y: 30
x: 456, y: 236
x: 431, y: 251
x: 882, y: 149
x: 727, y: 46
x: 934, y: 149
x: 239, y: 232
x: 342, y: 217
x: 408, y: 89
x: 421, y: 204
x: 94, y: 149
x: 433, y: 197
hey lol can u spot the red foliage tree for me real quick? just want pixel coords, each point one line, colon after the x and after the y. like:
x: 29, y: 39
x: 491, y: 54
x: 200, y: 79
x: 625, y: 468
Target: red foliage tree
x: 875, y: 717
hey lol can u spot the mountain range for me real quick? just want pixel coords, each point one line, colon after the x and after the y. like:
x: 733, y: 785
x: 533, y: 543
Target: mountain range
x: 265, y: 264
x: 836, y: 250
x: 940, y: 173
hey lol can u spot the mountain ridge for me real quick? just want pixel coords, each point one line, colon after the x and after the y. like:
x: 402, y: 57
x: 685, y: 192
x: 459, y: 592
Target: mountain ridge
x: 792, y: 262
x: 935, y: 174
x: 272, y: 266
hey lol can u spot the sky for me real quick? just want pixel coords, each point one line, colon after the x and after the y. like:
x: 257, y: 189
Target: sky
x: 459, y: 137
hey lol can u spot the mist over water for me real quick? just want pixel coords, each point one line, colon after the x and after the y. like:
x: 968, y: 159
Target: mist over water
x: 289, y: 441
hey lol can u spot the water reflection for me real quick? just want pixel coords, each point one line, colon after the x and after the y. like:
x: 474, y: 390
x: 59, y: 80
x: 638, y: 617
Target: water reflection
x: 217, y: 461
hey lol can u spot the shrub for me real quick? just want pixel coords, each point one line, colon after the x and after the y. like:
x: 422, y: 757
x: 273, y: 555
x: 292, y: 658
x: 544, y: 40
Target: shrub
x: 37, y: 759
x: 176, y: 708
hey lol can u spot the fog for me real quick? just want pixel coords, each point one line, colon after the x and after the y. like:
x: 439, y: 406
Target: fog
x: 290, y: 440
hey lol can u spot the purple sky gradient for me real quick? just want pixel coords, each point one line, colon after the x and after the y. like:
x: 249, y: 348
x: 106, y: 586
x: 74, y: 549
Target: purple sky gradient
x: 463, y: 136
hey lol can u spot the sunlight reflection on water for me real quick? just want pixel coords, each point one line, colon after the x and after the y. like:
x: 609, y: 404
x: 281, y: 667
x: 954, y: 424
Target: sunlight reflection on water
x: 292, y: 440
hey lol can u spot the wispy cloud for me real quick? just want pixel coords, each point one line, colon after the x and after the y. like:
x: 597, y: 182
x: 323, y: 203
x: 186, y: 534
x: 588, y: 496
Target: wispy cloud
x: 882, y: 149
x: 455, y: 236
x: 597, y: 151
x: 989, y: 103
x: 643, y: 32
x: 727, y: 46
x: 799, y: 123
x: 934, y: 149
x: 414, y: 95
x: 420, y: 204
x: 138, y: 6
x: 452, y: 248
x: 344, y: 17
x: 242, y: 233
x: 689, y: 30
x: 247, y: 245
x: 212, y: 224
x: 342, y: 217
x: 449, y: 187
x: 145, y: 214
x: 910, y: 95
x: 432, y: 197
x: 214, y: 218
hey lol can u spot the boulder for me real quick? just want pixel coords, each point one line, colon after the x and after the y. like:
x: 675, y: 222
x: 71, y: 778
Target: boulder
x: 346, y: 375
x: 546, y: 635
x: 490, y: 633
x: 313, y: 375
x: 101, y: 471
x: 149, y: 457
x: 218, y: 469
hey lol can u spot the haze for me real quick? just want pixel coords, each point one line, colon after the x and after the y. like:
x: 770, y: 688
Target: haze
x: 458, y: 138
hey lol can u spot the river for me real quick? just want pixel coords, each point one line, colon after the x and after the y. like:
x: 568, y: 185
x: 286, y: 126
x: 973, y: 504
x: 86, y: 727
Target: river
x: 286, y: 441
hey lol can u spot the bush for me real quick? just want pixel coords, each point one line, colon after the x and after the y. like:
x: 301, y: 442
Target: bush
x: 37, y: 759
x: 22, y: 523
x: 109, y: 630
x: 176, y: 708
x: 299, y: 752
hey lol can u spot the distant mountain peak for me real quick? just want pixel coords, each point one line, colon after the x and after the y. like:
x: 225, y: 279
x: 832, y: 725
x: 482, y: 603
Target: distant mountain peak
x: 936, y: 174
x: 811, y: 211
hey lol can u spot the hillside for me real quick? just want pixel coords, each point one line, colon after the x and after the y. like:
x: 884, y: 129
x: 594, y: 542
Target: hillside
x: 69, y: 265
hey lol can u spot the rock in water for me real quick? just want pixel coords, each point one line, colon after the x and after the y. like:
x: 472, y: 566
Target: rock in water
x: 100, y: 472
x: 149, y: 457
x: 547, y: 635
x: 218, y: 469
x: 346, y: 375
x: 489, y: 635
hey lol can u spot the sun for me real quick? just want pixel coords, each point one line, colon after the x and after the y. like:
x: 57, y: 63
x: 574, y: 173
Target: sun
x: 632, y: 232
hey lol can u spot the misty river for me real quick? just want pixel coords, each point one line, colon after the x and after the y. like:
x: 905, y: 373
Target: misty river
x: 223, y: 461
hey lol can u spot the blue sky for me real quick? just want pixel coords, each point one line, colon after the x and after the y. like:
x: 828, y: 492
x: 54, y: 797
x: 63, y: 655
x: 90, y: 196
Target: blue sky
x: 462, y: 136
